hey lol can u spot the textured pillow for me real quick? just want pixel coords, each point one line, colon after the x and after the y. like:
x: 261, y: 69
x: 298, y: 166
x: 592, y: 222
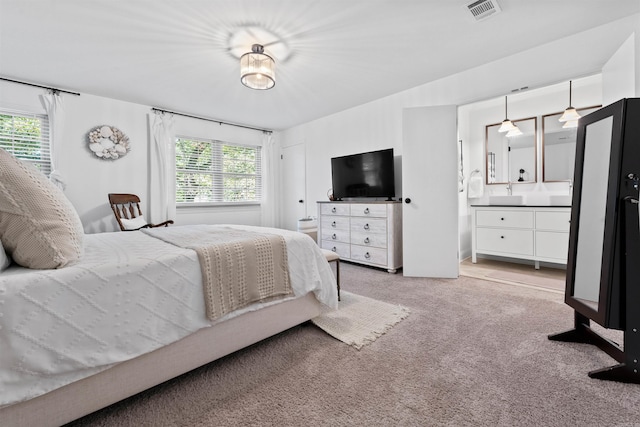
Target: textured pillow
x: 39, y: 228
x: 4, y: 259
x: 133, y: 224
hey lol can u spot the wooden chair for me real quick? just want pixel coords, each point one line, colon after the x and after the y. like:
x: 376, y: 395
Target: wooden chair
x: 126, y: 208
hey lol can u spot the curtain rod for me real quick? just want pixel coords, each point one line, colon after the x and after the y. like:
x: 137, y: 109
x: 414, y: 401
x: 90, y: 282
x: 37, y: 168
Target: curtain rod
x: 159, y: 110
x: 53, y: 89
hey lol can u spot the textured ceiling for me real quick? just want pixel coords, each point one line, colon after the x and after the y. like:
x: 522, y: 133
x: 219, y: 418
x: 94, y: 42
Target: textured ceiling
x: 334, y: 54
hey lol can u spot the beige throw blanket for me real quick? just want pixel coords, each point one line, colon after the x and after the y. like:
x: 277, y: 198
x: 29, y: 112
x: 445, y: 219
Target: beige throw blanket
x: 238, y: 267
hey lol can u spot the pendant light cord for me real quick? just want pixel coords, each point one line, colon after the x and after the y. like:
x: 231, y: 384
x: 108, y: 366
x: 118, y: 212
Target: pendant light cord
x: 570, y: 84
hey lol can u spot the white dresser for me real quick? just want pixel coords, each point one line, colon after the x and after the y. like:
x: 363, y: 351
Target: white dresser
x: 364, y: 232
x: 538, y: 233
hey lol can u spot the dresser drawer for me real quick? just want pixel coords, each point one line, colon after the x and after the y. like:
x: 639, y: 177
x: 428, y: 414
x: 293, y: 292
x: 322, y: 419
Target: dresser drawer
x: 369, y: 210
x: 552, y: 245
x: 507, y: 241
x: 335, y: 209
x: 369, y: 239
x: 553, y: 220
x: 334, y: 223
x: 372, y: 255
x: 335, y: 235
x: 510, y: 219
x: 342, y: 249
x: 369, y: 225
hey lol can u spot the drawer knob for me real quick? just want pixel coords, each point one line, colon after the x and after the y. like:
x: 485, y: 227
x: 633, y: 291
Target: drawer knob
x: 367, y: 255
x: 333, y: 210
x: 501, y: 219
x: 366, y: 240
x: 366, y: 226
x: 333, y: 237
x: 366, y: 210
x: 333, y: 224
x: 502, y: 237
x: 334, y: 249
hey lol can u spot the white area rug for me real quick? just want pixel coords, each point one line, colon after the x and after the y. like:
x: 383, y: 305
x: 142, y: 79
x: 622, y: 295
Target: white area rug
x: 359, y: 320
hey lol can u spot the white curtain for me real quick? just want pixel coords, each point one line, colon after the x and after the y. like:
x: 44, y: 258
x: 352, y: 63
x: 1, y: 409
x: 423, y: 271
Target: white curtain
x: 162, y: 168
x: 269, y: 203
x: 53, y: 104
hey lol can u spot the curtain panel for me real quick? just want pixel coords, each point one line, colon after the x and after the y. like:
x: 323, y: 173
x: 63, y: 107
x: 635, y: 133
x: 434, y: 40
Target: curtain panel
x: 53, y: 104
x: 162, y: 168
x: 270, y: 203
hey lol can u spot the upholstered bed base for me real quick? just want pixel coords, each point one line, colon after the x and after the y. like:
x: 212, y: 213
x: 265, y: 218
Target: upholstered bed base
x: 128, y: 378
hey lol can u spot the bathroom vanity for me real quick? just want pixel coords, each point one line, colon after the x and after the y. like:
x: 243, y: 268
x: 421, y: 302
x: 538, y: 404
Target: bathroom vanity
x: 537, y: 233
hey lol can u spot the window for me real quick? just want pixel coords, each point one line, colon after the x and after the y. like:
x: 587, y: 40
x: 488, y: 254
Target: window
x: 26, y: 136
x: 215, y: 171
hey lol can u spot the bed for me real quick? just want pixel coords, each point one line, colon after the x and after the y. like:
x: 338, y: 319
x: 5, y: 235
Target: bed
x: 88, y: 320
x: 128, y: 315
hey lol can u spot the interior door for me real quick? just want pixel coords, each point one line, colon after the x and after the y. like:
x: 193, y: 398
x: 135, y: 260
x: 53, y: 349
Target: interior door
x: 430, y: 192
x: 293, y: 185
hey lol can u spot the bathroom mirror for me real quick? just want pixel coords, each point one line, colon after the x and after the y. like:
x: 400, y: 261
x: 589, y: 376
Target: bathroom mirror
x: 559, y: 147
x: 511, y: 158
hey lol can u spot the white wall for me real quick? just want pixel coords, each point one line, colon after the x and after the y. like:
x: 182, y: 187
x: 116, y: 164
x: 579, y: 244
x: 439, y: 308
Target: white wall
x: 90, y: 179
x: 377, y: 125
x: 619, y: 73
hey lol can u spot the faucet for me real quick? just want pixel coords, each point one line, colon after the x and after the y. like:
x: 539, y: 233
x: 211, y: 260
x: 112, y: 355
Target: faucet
x: 509, y: 187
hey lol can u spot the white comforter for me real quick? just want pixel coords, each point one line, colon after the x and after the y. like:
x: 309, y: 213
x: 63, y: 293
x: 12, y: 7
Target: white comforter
x: 131, y: 294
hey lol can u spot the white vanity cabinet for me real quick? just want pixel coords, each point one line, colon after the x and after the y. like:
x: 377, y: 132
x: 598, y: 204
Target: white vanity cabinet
x: 364, y: 232
x: 538, y: 233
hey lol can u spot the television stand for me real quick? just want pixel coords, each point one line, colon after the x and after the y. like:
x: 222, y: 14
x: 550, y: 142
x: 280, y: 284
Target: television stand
x: 364, y: 232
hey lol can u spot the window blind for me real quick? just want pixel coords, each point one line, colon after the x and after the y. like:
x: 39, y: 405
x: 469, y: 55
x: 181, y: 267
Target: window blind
x: 26, y: 136
x: 211, y: 171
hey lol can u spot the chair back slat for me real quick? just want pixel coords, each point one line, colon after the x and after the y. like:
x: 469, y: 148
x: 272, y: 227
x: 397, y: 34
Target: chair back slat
x: 124, y: 206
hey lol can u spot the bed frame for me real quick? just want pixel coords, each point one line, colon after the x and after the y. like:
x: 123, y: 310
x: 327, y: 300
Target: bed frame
x: 125, y: 379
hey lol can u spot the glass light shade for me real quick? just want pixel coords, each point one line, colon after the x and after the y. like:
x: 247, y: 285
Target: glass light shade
x: 257, y: 70
x: 514, y: 132
x: 569, y: 114
x: 507, y: 125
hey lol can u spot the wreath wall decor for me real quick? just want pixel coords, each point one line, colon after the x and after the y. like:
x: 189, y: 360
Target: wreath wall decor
x: 108, y: 142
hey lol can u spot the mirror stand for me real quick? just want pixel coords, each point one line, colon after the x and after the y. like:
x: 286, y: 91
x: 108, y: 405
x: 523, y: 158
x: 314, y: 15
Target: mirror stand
x: 628, y: 357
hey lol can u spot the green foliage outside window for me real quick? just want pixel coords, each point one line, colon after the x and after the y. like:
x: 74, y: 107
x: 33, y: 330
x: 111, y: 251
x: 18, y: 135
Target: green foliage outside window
x: 26, y: 137
x: 213, y: 171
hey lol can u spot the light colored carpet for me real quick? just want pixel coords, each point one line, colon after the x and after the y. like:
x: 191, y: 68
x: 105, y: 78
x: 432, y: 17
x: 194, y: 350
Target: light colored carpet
x: 359, y: 320
x: 471, y: 353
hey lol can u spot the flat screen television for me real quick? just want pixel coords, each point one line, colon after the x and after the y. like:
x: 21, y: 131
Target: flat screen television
x: 369, y: 174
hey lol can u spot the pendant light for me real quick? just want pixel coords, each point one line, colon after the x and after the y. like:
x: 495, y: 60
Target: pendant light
x: 257, y: 69
x: 507, y: 125
x: 570, y: 115
x: 514, y: 132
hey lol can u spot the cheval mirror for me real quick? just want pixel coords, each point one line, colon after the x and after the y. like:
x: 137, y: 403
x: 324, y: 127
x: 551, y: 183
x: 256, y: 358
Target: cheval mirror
x: 603, y: 270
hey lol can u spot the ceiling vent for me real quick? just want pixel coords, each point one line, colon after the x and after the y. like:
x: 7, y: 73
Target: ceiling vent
x: 483, y: 9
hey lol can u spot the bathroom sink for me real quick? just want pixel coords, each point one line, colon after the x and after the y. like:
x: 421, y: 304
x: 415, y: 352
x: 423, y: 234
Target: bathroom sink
x: 560, y: 200
x: 507, y: 200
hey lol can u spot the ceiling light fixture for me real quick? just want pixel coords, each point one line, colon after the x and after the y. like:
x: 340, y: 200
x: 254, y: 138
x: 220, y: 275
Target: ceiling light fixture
x: 507, y: 125
x: 257, y: 69
x: 570, y: 115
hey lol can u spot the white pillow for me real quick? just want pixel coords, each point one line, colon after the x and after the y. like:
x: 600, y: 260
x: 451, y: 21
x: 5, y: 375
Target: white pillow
x: 4, y: 259
x: 133, y: 224
x: 39, y: 227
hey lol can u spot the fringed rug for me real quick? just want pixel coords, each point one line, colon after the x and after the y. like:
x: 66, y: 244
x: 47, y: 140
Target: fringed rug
x: 359, y: 320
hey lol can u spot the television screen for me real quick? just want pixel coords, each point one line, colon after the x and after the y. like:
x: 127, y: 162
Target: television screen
x: 363, y: 175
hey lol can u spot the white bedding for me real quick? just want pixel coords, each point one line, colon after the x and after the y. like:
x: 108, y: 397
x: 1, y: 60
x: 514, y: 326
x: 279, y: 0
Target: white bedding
x: 131, y: 294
